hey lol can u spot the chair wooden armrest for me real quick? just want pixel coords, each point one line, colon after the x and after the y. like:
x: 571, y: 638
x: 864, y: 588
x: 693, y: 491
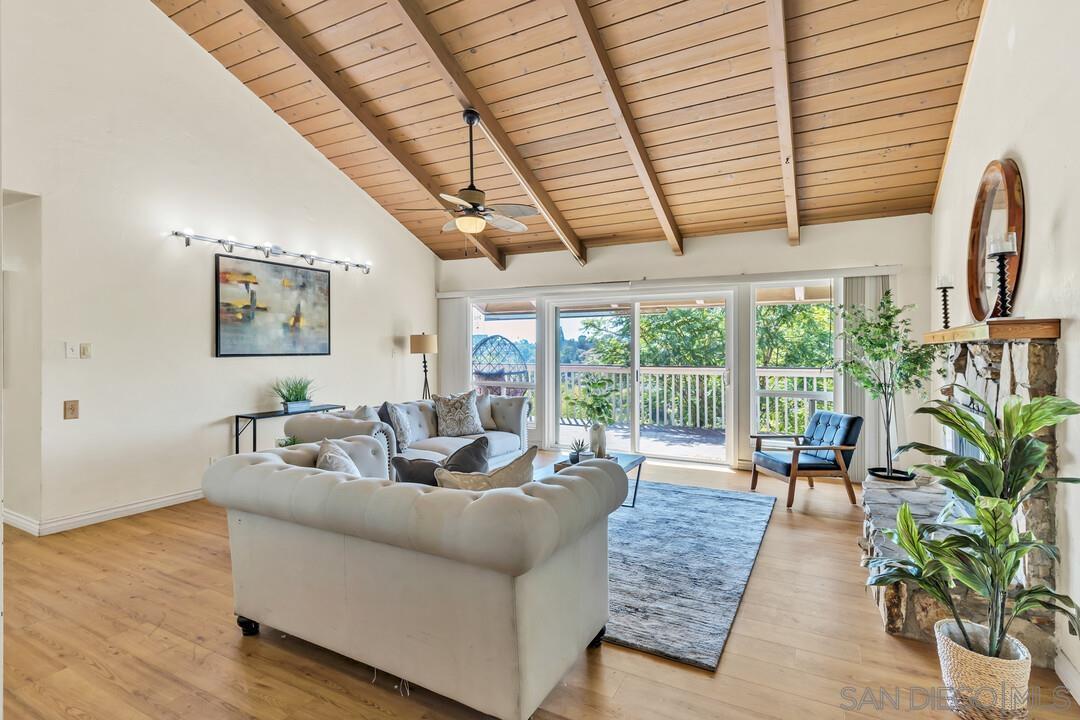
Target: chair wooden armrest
x: 820, y: 447
x: 758, y: 437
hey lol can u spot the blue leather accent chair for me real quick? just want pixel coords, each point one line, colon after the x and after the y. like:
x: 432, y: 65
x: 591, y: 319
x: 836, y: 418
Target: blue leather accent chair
x: 823, y: 450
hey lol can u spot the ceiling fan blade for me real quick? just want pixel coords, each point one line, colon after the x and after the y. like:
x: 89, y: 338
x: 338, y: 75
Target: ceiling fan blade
x: 513, y: 210
x: 449, y: 226
x: 505, y: 223
x: 441, y: 210
x: 455, y: 200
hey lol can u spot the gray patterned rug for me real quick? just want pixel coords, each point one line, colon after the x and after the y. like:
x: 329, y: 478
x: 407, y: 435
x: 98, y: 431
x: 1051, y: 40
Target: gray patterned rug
x: 678, y: 565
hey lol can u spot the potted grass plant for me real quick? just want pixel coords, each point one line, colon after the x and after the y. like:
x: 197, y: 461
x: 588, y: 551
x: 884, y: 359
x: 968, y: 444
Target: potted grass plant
x: 881, y: 356
x: 976, y: 543
x: 294, y: 393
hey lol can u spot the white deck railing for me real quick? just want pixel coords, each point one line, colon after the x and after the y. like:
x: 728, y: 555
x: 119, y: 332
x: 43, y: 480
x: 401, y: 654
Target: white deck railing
x: 684, y: 397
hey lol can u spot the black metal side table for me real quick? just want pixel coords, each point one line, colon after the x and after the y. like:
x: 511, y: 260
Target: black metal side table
x: 253, y: 418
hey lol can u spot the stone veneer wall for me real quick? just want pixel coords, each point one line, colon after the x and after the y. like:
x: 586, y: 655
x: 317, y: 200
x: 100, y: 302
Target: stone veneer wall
x: 995, y: 370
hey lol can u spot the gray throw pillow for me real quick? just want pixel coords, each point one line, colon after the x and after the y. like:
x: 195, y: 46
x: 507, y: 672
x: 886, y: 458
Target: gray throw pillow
x: 334, y: 458
x: 483, y: 406
x: 471, y: 458
x: 458, y: 415
x: 515, y: 474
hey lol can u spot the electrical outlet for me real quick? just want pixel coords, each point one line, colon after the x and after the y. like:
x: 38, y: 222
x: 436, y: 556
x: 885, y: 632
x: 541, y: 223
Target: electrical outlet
x: 84, y: 351
x: 71, y: 409
x: 71, y: 351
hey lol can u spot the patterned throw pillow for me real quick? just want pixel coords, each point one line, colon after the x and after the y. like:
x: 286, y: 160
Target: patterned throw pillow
x: 458, y: 415
x: 515, y: 474
x: 334, y: 458
x: 402, y: 427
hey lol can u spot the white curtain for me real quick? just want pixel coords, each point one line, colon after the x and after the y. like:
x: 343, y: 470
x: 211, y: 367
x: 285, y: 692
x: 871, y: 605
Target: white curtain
x: 871, y: 448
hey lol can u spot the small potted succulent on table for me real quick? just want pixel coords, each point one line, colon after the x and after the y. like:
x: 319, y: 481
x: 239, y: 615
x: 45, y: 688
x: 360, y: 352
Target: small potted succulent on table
x: 576, y: 448
x: 294, y: 393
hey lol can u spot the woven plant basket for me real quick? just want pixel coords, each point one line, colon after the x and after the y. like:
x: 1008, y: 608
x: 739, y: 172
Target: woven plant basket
x: 981, y: 687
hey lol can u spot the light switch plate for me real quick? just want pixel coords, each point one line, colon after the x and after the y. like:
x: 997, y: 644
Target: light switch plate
x: 84, y: 351
x: 71, y: 351
x: 71, y: 409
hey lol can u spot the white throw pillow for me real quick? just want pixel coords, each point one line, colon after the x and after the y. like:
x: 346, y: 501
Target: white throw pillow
x: 334, y: 458
x: 483, y: 406
x: 366, y: 412
x: 458, y: 415
x: 515, y: 474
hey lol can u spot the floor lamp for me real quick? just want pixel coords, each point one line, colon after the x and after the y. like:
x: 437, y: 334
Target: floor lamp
x: 424, y: 345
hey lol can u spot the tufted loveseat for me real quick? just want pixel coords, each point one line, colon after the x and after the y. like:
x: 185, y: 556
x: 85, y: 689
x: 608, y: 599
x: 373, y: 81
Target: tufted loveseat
x: 486, y: 598
x: 507, y: 434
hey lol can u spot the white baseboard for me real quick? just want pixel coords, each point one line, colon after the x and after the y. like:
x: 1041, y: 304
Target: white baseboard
x: 70, y: 522
x: 20, y: 521
x: 1067, y: 672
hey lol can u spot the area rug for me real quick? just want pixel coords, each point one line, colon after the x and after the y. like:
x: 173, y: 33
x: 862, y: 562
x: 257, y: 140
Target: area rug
x: 678, y: 565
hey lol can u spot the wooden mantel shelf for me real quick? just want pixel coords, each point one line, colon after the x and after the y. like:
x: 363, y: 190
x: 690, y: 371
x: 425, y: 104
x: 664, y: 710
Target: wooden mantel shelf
x: 997, y: 329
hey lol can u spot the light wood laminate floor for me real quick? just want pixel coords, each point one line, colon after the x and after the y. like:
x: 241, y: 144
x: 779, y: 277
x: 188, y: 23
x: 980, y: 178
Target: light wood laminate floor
x: 133, y: 619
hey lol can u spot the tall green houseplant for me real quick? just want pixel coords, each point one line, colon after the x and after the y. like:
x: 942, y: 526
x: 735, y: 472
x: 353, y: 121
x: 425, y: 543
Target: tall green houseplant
x: 880, y: 355
x: 978, y: 545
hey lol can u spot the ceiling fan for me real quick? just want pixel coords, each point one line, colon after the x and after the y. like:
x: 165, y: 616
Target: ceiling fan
x: 471, y: 215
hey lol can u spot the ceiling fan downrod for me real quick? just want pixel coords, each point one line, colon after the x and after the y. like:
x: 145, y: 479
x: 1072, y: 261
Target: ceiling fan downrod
x: 471, y: 118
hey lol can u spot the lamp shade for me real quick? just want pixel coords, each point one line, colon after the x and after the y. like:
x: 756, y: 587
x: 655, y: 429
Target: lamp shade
x: 423, y: 344
x: 470, y: 224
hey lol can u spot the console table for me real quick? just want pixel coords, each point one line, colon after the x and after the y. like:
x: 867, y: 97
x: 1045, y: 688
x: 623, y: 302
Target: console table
x: 253, y: 418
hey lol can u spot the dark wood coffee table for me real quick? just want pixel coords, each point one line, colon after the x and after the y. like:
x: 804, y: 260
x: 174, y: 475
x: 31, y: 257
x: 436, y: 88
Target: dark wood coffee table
x: 627, y: 461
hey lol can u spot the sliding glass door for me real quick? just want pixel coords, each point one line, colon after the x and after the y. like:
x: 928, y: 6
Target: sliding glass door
x: 793, y: 338
x: 683, y: 378
x: 594, y: 350
x: 660, y: 368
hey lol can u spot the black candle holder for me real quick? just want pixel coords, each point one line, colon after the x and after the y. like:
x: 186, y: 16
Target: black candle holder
x: 945, y: 304
x: 1004, y: 297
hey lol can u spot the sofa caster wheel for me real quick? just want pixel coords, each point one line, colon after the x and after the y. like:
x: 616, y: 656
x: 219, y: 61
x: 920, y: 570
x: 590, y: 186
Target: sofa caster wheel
x: 599, y: 639
x: 247, y: 627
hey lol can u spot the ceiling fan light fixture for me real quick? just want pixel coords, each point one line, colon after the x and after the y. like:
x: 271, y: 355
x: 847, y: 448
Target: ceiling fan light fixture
x: 470, y: 224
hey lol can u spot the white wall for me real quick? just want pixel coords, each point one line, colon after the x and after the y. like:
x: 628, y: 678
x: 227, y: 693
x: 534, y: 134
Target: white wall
x: 22, y: 354
x: 126, y: 128
x: 1022, y: 100
x: 902, y: 241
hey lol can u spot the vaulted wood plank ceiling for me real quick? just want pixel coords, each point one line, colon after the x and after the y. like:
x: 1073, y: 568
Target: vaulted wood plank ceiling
x: 625, y: 120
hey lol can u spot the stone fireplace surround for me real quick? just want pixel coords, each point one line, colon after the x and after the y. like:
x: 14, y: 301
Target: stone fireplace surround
x: 995, y: 369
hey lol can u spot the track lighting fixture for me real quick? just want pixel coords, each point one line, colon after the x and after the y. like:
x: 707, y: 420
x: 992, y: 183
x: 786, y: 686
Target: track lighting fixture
x: 268, y: 250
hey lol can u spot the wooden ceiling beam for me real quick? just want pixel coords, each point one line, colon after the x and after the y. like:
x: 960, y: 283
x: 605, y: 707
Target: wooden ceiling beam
x: 338, y: 92
x: 782, y: 95
x: 583, y: 25
x: 415, y: 21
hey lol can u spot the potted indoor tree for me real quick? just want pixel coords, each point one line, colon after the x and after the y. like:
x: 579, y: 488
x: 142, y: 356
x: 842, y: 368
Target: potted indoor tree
x: 880, y: 355
x: 294, y: 393
x: 595, y: 403
x: 975, y: 542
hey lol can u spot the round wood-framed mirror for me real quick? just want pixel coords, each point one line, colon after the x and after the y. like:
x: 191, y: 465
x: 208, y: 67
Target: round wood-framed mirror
x: 999, y: 210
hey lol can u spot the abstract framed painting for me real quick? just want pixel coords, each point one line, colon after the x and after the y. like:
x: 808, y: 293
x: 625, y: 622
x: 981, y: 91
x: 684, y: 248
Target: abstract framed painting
x: 266, y: 308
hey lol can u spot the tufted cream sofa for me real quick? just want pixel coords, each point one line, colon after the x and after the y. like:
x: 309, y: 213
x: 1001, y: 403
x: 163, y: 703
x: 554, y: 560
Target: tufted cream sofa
x: 486, y: 598
x: 506, y: 440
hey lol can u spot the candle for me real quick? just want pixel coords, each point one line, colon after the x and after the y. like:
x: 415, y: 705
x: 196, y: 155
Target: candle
x: 1002, y: 245
x: 944, y: 281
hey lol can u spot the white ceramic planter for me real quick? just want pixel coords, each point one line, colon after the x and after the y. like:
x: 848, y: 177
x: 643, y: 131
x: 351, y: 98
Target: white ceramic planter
x: 981, y: 687
x: 598, y: 439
